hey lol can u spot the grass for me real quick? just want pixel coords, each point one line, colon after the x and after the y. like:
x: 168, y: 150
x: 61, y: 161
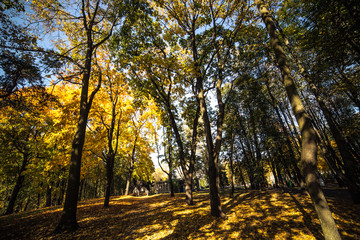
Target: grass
x: 271, y: 214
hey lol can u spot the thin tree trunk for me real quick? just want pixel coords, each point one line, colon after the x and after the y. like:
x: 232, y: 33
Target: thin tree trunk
x: 62, y: 192
x: 214, y: 180
x: 242, y: 176
x: 231, y: 163
x: 171, y: 185
x: 189, y: 177
x: 27, y: 204
x: 109, y: 178
x: 308, y: 140
x: 18, y: 185
x: 81, y: 189
x: 38, y: 201
x: 131, y: 169
x: 48, y: 196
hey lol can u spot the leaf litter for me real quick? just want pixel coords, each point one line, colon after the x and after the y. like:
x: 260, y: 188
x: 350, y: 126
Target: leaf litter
x: 251, y: 214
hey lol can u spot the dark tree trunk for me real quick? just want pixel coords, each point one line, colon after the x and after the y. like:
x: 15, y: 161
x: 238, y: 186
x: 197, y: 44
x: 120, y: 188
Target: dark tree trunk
x: 62, y: 192
x: 231, y: 163
x: 242, y: 176
x: 187, y: 172
x: 38, y: 201
x: 308, y: 140
x: 18, y: 185
x: 81, y: 189
x: 27, y: 204
x: 171, y: 186
x: 68, y: 217
x: 214, y: 179
x: 109, y: 178
x: 48, y: 196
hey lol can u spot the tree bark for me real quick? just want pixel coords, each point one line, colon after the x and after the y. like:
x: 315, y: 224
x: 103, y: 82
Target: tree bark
x: 348, y: 159
x: 308, y: 140
x: 231, y: 163
x: 48, y: 196
x: 214, y: 179
x: 18, y: 185
x: 109, y: 177
x: 68, y: 217
x: 131, y: 169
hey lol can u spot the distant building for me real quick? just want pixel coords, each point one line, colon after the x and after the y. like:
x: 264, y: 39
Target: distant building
x: 163, y: 186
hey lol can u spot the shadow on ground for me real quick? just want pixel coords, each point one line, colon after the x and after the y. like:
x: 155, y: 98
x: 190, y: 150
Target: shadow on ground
x: 271, y: 214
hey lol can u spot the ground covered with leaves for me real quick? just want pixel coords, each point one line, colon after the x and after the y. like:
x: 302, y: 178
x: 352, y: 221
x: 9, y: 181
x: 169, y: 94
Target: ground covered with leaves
x: 270, y: 214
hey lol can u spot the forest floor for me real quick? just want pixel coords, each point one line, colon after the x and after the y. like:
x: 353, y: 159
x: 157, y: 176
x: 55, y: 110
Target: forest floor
x: 251, y: 214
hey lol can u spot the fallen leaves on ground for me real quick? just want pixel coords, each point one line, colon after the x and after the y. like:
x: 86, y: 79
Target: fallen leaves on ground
x: 271, y: 214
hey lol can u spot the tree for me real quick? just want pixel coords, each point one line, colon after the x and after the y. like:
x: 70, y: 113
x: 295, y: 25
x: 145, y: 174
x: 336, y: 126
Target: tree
x: 208, y: 52
x: 23, y: 128
x: 157, y: 73
x: 111, y: 116
x: 87, y: 31
x: 18, y: 68
x: 141, y: 129
x: 308, y: 141
x: 168, y: 158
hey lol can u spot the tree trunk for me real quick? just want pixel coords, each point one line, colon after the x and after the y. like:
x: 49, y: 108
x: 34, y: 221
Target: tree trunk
x: 231, y: 163
x: 109, y: 178
x: 81, y: 189
x: 242, y: 176
x: 62, y: 192
x: 27, y: 204
x: 68, y: 217
x: 18, y: 185
x: 345, y: 152
x: 131, y: 170
x: 127, y: 186
x: 48, y: 196
x: 171, y: 185
x: 214, y: 180
x: 38, y: 201
x: 189, y: 173
x: 308, y: 137
x: 348, y: 160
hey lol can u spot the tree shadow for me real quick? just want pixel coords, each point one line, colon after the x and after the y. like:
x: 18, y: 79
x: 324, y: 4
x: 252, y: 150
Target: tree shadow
x: 251, y: 214
x: 307, y: 219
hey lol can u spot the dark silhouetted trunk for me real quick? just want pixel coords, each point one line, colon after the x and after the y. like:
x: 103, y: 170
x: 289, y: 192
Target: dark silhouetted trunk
x: 109, y: 157
x: 18, y: 185
x: 62, y: 192
x: 171, y: 186
x: 68, y: 217
x: 109, y: 179
x: 231, y: 163
x: 214, y: 179
x: 27, y: 204
x: 48, y: 196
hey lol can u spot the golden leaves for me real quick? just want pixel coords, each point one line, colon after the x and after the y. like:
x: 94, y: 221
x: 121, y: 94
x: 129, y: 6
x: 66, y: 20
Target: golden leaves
x: 250, y: 215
